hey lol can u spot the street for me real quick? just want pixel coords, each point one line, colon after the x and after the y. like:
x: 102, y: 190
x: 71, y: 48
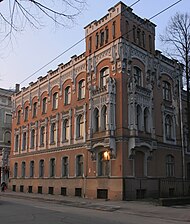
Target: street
x: 18, y: 211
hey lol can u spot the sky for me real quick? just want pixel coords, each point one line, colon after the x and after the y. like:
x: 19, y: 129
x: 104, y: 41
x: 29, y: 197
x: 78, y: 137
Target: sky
x: 32, y: 48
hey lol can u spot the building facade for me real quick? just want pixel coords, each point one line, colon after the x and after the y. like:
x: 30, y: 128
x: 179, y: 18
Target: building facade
x: 108, y: 118
x: 5, y: 132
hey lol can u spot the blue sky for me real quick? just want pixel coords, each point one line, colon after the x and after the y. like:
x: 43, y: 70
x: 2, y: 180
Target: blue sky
x: 31, y: 49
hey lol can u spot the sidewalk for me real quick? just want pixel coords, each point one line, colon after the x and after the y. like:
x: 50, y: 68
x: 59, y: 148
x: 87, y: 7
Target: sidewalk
x: 140, y: 208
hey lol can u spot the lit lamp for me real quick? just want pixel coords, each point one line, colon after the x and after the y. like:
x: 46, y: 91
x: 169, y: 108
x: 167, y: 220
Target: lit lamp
x: 106, y: 156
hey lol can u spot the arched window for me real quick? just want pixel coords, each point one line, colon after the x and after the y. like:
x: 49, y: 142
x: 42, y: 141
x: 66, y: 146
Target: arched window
x: 65, y: 166
x: 15, y: 170
x: 53, y: 133
x: 166, y: 91
x: 26, y: 113
x: 150, y: 43
x: 170, y: 166
x: 18, y: 116
x: 44, y: 105
x: 31, y: 168
x: 42, y: 136
x: 81, y: 89
x: 138, y: 76
x: 79, y: 165
x: 41, y: 168
x: 32, y: 143
x: 104, y: 118
x: 134, y: 34
x: 34, y: 114
x: 55, y: 100
x: 143, y: 39
x: 16, y: 143
x: 79, y: 126
x: 104, y: 74
x: 24, y: 141
x: 7, y: 137
x: 65, y: 135
x: 96, y: 120
x: 146, y: 120
x: 139, y: 117
x: 23, y: 169
x: 67, y: 95
x: 168, y: 127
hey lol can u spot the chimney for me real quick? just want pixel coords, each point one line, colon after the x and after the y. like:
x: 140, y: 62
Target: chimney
x: 17, y: 88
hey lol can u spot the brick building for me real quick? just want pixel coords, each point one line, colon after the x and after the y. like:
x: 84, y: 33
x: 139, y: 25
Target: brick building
x: 108, y: 118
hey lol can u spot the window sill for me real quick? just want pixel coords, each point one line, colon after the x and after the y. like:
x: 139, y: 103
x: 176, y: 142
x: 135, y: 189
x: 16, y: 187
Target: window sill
x: 79, y: 138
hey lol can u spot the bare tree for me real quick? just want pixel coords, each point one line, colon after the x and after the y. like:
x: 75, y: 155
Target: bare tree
x: 16, y: 14
x: 177, y: 39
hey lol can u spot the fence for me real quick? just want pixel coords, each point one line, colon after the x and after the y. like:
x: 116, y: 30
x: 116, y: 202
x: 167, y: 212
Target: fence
x: 140, y: 188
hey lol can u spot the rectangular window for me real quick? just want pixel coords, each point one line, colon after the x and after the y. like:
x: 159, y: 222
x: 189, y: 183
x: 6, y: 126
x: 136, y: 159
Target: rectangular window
x: 52, y: 167
x: 97, y: 40
x: 102, y: 38
x: 55, y: 101
x: 65, y: 167
x: 18, y: 116
x: 90, y: 45
x: 16, y: 143
x: 79, y: 165
x: 113, y: 29
x: 41, y: 168
x: 8, y: 118
x: 106, y: 35
x: 32, y: 169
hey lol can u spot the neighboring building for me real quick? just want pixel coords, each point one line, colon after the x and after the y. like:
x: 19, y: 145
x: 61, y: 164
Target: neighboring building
x: 5, y: 132
x: 107, y: 124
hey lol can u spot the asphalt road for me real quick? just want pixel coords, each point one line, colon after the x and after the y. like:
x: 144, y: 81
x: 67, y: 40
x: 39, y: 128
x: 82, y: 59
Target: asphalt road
x: 29, y: 211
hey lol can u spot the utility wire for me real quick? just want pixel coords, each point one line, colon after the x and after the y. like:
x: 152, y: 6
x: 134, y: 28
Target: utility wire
x: 65, y: 51
x: 170, y: 6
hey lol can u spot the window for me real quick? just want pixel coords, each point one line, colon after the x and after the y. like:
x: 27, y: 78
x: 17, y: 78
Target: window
x: 143, y: 39
x: 44, y: 105
x: 53, y: 133
x: 16, y: 143
x: 104, y: 74
x: 134, y: 34
x: 168, y: 127
x: 55, y: 101
x: 90, y: 44
x: 139, y: 113
x: 23, y: 169
x: 52, y: 167
x: 170, y: 165
x: 103, y: 163
x: 81, y: 90
x: 26, y: 113
x: 31, y: 168
x: 97, y: 40
x: 104, y: 118
x: 8, y: 118
x: 113, y: 29
x: 146, y: 120
x: 41, y: 168
x: 106, y: 34
x: 67, y: 95
x: 32, y: 142
x: 96, y: 120
x: 79, y: 126
x: 35, y: 109
x: 15, y: 170
x: 42, y: 136
x: 150, y: 43
x: 138, y: 76
x: 24, y: 141
x: 65, y: 136
x: 138, y: 36
x: 101, y: 38
x: 18, y: 116
x: 64, y: 166
x: 166, y: 91
x: 188, y: 171
x: 7, y: 137
x: 79, y: 165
